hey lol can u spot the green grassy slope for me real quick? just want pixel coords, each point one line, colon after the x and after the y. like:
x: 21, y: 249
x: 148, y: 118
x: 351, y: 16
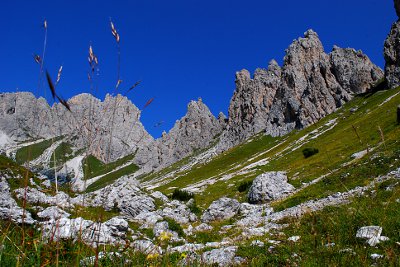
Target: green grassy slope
x: 367, y: 122
x: 31, y: 152
x: 93, y: 167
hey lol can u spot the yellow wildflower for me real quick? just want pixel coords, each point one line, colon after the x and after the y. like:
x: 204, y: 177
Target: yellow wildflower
x: 165, y: 236
x: 152, y: 256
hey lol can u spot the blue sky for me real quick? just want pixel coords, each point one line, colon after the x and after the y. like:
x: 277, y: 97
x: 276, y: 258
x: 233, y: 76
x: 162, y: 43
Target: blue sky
x: 181, y: 50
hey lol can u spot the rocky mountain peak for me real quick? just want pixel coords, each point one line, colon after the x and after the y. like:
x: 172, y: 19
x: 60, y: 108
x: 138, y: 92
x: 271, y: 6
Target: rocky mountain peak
x: 310, y: 85
x: 196, y: 130
x: 108, y: 129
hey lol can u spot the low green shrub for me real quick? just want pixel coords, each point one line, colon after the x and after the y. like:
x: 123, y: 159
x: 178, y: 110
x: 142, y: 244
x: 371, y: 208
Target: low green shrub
x: 309, y: 151
x: 181, y: 195
x: 174, y: 226
x: 194, y: 208
x: 244, y: 186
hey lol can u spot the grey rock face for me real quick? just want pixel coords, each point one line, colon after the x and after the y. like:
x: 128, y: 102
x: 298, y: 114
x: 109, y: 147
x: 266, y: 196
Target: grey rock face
x: 221, y: 209
x: 108, y: 129
x: 251, y: 102
x: 310, y: 85
x: 196, y: 130
x: 392, y: 56
x: 269, y: 186
x: 353, y: 70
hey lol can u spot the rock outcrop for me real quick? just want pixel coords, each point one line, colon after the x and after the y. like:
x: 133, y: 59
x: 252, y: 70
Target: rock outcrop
x: 92, y: 233
x: 123, y: 195
x: 269, y: 186
x: 221, y: 209
x: 310, y: 85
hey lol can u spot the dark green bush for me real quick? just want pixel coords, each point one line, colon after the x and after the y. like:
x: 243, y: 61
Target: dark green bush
x: 244, y: 186
x: 309, y: 151
x: 174, y: 226
x: 182, y: 195
x: 194, y: 208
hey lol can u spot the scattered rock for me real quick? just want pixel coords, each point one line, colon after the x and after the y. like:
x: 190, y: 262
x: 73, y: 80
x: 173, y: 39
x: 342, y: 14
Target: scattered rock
x: 34, y: 196
x: 146, y: 247
x: 203, y: 228
x: 179, y: 212
x: 221, y: 257
x: 148, y: 219
x: 187, y: 247
x: 160, y: 196
x: 53, y: 213
x: 360, y: 154
x: 221, y: 209
x: 9, y: 209
x: 269, y: 186
x: 124, y: 195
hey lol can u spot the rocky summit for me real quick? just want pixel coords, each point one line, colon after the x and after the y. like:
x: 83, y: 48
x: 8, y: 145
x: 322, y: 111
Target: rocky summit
x: 304, y: 171
x: 196, y: 130
x: 108, y: 129
x: 310, y: 85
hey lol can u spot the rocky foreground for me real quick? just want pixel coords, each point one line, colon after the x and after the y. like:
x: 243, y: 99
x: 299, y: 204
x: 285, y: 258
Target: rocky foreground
x: 155, y: 211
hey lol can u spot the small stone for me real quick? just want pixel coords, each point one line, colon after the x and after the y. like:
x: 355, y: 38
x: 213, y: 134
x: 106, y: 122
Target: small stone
x: 383, y: 238
x: 294, y: 239
x: 203, y: 227
x: 257, y: 243
x: 369, y: 232
x: 376, y: 256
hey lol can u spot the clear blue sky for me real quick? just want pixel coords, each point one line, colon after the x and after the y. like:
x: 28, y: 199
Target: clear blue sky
x: 181, y: 50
